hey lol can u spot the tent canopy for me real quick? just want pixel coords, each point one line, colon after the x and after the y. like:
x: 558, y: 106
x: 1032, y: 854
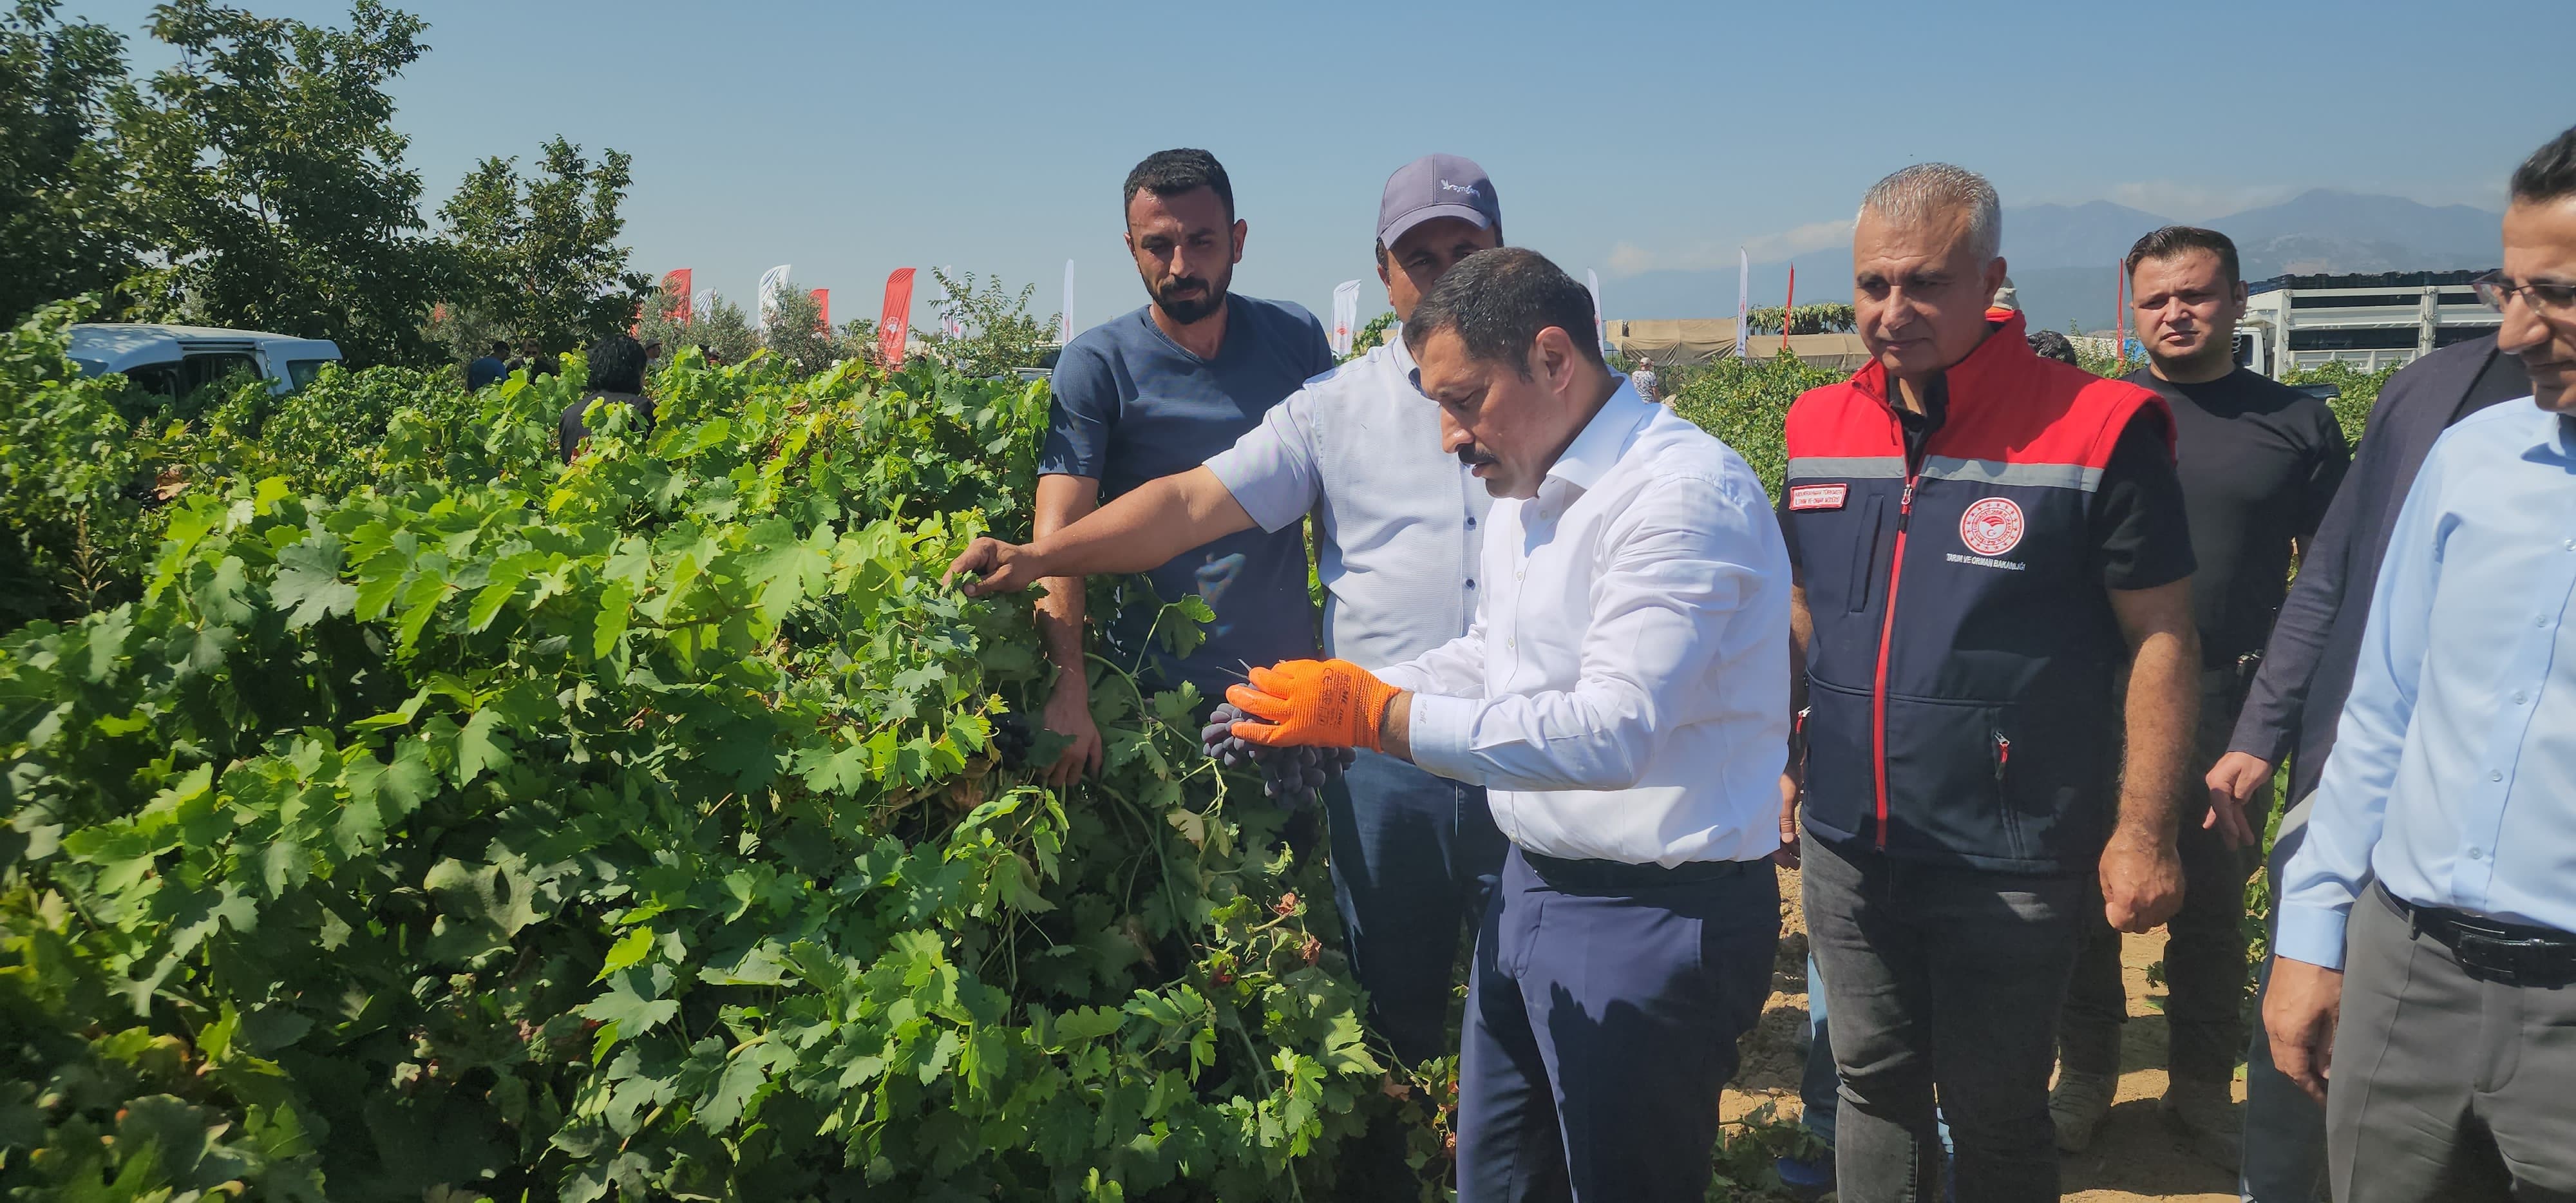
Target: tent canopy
x: 1667, y: 341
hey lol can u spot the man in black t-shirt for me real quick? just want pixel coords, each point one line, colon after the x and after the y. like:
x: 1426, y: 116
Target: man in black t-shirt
x: 2259, y: 462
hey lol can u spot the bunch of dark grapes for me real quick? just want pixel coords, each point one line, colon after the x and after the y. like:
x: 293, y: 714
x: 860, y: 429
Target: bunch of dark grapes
x: 1293, y: 774
x: 1011, y: 737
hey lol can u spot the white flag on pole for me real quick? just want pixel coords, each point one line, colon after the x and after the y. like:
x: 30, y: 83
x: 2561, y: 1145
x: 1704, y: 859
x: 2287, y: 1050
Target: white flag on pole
x: 1064, y: 324
x: 1743, y: 296
x: 952, y: 318
x: 705, y: 303
x: 772, y: 283
x: 1346, y: 315
x: 1600, y: 321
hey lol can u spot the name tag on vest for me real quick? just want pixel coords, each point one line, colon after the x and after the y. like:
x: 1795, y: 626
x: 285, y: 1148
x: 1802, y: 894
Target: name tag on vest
x: 1818, y: 497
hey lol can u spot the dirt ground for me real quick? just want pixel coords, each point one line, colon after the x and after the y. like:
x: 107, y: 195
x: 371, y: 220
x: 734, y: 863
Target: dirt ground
x: 2137, y: 1155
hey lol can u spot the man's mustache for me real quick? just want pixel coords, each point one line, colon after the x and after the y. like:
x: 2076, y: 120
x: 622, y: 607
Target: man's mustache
x: 1472, y: 456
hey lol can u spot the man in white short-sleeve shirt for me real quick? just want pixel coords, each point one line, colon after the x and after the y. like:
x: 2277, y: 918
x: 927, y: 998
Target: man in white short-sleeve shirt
x: 1413, y: 856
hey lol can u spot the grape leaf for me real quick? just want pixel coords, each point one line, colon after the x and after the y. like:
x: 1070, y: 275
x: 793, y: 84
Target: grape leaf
x: 634, y: 1001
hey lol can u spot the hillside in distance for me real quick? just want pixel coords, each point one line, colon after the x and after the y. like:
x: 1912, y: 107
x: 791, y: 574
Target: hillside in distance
x: 2064, y: 257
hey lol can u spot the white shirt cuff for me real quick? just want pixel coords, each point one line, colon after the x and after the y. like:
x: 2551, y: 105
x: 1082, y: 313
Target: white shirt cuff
x: 2308, y: 933
x: 1439, y: 734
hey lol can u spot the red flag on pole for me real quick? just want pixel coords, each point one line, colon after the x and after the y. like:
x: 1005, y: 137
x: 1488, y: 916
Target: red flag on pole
x: 896, y: 322
x: 823, y: 309
x: 1790, y: 307
x: 677, y: 283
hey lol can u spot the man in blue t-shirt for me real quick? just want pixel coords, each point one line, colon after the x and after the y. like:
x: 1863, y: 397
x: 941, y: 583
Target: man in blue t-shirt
x: 1158, y: 391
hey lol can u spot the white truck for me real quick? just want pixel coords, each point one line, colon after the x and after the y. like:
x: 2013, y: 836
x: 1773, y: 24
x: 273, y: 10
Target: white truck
x: 174, y: 361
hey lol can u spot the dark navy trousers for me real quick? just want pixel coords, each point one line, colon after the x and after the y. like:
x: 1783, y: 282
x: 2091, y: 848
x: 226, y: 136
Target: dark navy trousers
x: 1414, y: 858
x: 1601, y: 1025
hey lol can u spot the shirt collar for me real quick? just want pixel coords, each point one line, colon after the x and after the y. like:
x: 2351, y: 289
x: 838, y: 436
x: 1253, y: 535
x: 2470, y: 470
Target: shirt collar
x: 1590, y: 456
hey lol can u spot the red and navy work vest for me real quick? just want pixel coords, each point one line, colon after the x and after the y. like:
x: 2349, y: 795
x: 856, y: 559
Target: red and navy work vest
x: 1960, y: 675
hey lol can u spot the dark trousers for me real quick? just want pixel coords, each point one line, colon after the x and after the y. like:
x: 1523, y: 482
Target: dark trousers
x: 1414, y: 858
x: 1601, y: 1026
x: 2443, y: 1086
x: 2205, y: 941
x: 1943, y: 982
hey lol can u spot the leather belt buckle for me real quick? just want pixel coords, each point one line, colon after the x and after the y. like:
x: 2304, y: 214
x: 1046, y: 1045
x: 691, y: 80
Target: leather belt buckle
x: 2494, y: 957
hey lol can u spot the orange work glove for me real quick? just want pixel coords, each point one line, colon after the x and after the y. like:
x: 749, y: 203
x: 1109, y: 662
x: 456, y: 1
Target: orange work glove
x: 1312, y: 703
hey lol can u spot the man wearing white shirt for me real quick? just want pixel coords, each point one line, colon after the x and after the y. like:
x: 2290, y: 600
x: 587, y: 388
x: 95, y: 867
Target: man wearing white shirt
x: 1413, y: 855
x: 1623, y: 697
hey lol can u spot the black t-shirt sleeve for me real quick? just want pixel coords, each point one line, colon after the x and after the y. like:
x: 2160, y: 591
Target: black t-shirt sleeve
x: 2140, y: 536
x: 2328, y: 459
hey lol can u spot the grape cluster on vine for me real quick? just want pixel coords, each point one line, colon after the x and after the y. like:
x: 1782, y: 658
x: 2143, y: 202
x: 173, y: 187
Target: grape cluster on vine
x: 1294, y: 774
x: 1012, y: 739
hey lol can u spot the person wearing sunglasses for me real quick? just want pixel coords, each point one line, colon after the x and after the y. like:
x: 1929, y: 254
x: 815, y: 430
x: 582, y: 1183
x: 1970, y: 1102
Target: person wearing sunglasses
x: 2427, y: 927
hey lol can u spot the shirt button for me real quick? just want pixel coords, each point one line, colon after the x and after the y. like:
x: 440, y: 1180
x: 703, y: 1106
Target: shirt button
x: 2519, y: 697
x: 2540, y: 620
x: 2571, y: 544
x: 1512, y: 643
x: 1471, y: 582
x: 2477, y: 853
x: 2495, y: 774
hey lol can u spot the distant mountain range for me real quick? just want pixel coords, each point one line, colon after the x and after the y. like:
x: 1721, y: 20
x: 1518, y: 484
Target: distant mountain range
x: 2064, y: 257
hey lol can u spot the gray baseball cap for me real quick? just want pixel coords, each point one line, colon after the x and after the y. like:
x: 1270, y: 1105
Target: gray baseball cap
x: 1436, y: 186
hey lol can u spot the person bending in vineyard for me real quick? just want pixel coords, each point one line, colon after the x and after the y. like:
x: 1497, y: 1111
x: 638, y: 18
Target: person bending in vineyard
x: 1623, y: 697
x: 617, y: 377
x: 1413, y: 855
x: 1157, y: 391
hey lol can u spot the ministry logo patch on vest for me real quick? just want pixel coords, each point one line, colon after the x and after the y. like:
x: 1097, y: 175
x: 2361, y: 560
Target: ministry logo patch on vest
x: 1991, y: 527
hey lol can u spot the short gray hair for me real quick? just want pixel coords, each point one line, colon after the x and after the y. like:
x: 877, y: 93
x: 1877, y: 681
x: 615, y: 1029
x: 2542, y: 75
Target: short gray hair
x: 1927, y: 191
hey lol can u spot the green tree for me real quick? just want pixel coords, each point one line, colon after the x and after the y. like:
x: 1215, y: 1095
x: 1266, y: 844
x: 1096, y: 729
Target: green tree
x: 65, y: 221
x: 1830, y: 317
x: 723, y: 330
x: 1000, y: 334
x: 797, y: 336
x: 541, y: 255
x: 1378, y: 330
x: 273, y: 181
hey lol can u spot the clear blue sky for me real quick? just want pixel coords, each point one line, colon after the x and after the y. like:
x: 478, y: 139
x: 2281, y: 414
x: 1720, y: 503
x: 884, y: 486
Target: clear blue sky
x: 852, y: 139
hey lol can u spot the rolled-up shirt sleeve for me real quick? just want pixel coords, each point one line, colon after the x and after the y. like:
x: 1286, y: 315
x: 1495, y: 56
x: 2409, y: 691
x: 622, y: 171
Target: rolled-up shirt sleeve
x: 2351, y: 809
x: 1677, y: 570
x: 1271, y: 469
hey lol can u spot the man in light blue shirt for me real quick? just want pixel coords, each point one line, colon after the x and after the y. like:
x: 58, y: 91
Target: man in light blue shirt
x: 1413, y: 856
x: 2447, y: 988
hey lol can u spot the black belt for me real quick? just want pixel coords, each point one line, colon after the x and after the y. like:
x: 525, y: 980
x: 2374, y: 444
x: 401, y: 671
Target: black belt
x: 2508, y: 954
x: 1610, y: 876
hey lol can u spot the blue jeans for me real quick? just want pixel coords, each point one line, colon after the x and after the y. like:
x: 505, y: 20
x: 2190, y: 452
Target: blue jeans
x: 1601, y: 1024
x: 1414, y: 858
x: 2285, y: 1130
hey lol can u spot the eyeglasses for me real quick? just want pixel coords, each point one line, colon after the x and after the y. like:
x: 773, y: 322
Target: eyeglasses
x: 2547, y: 298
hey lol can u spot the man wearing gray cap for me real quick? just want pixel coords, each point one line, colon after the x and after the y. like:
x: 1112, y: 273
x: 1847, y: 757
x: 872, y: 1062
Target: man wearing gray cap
x: 1414, y: 856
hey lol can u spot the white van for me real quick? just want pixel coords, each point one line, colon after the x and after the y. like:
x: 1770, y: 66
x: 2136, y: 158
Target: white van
x: 174, y: 361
